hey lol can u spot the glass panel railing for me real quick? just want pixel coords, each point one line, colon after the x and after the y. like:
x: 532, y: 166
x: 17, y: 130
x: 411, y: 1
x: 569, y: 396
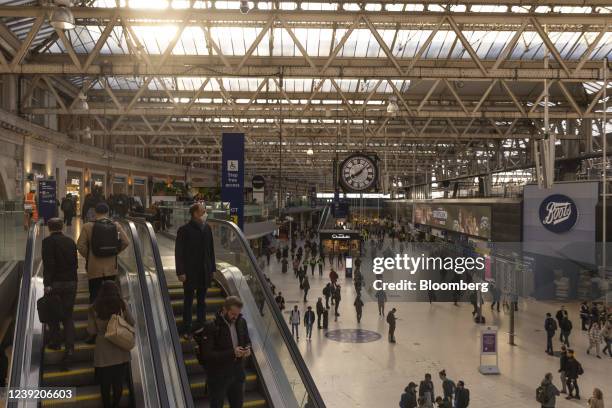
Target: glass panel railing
x: 231, y: 247
x: 168, y: 341
x: 13, y: 235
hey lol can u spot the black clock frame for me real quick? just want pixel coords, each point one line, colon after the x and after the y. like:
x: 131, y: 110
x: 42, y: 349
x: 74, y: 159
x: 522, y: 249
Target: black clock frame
x: 347, y: 188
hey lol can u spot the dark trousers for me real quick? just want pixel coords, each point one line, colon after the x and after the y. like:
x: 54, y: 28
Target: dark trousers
x: 67, y: 293
x: 320, y: 270
x: 495, y: 302
x: 572, y: 384
x: 359, y: 313
x: 549, y: 342
x: 305, y: 294
x: 94, y: 286
x: 564, y: 337
x: 309, y: 330
x: 319, y: 320
x: 327, y: 302
x: 336, y: 308
x: 4, y: 363
x: 381, y: 308
x: 111, y: 381
x: 188, y: 292
x: 227, y: 385
x: 68, y: 216
x: 392, y: 333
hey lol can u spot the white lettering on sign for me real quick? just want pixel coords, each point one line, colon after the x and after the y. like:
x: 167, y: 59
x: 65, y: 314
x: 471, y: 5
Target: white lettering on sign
x: 340, y: 236
x: 557, y: 212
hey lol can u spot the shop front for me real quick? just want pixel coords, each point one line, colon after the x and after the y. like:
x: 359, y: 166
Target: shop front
x: 119, y: 185
x: 340, y: 242
x: 97, y: 182
x: 74, y: 181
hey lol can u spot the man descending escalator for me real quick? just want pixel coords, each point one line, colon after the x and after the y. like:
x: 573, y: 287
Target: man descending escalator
x: 224, y: 347
x: 194, y: 255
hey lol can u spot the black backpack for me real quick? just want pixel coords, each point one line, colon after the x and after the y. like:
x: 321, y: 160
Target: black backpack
x: 105, y: 240
x: 541, y: 394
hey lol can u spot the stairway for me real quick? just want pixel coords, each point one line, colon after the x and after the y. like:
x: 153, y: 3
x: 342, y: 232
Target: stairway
x: 254, y: 396
x: 78, y: 372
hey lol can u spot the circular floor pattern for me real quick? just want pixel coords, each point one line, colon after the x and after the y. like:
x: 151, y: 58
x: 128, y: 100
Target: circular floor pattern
x: 353, y: 335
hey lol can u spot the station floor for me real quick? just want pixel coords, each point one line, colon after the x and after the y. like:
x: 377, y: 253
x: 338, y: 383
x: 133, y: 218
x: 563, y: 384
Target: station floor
x: 431, y: 338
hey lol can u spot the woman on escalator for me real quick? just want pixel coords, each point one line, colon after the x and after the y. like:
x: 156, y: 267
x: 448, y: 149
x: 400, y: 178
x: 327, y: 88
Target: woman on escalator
x: 111, y: 362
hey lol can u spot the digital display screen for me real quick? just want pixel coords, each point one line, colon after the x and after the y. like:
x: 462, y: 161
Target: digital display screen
x: 467, y: 219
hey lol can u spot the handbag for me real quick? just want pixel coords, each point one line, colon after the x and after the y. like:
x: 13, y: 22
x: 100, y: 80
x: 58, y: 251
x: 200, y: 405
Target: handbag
x: 120, y: 333
x: 50, y: 308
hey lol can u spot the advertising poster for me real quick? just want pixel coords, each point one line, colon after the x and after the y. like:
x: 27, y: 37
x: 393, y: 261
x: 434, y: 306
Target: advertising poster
x: 47, y: 199
x: 467, y: 219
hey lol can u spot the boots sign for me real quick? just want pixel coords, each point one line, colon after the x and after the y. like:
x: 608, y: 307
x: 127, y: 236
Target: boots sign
x: 558, y: 213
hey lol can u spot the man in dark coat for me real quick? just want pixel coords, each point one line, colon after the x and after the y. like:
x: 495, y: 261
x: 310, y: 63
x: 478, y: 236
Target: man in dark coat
x: 60, y: 263
x: 194, y: 257
x: 320, y: 310
x: 224, y: 347
x: 462, y: 396
x: 551, y: 327
x: 68, y: 208
x: 409, y: 398
x: 573, y: 370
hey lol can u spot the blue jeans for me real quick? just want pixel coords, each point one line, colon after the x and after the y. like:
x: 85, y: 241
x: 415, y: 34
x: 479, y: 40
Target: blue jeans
x: 309, y: 330
x: 188, y: 305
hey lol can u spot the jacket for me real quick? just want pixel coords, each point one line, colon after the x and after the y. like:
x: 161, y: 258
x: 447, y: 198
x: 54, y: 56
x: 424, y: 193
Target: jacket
x: 572, y: 368
x: 551, y: 394
x: 550, y: 325
x: 59, y: 256
x: 217, y: 349
x: 194, y: 254
x: 462, y: 398
x: 320, y: 307
x: 563, y: 362
x: 566, y: 325
x: 408, y: 400
x: 309, y: 317
x: 106, y: 353
x: 99, y: 267
x: 294, y: 317
x: 358, y: 303
x: 595, y: 335
x: 448, y: 387
x: 426, y: 386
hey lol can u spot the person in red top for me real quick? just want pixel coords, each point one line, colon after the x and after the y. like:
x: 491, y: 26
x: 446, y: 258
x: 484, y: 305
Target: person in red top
x: 333, y: 277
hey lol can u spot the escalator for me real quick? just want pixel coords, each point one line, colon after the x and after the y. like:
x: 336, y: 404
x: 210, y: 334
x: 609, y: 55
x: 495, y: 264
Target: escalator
x: 276, y: 373
x: 35, y: 366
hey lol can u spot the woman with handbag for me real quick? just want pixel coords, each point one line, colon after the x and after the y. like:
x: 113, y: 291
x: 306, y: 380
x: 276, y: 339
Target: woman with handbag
x: 110, y: 321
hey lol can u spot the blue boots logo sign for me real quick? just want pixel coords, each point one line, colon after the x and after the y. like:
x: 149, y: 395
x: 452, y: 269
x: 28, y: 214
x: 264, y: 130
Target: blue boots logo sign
x: 558, y: 213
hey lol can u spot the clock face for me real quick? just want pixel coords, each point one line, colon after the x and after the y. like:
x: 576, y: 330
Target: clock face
x: 358, y: 173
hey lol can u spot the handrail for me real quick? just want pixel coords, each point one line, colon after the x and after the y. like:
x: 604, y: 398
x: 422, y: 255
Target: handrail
x: 146, y: 299
x: 313, y: 393
x: 176, y: 341
x: 22, y: 311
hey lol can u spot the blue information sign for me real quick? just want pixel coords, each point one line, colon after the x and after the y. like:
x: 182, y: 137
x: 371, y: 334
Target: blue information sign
x: 232, y: 175
x: 47, y: 199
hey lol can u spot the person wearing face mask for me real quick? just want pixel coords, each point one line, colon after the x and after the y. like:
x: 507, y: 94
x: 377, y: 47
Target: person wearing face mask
x: 194, y: 256
x: 224, y: 348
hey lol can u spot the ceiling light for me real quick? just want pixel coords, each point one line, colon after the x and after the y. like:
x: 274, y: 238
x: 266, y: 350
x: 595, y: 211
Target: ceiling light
x: 392, y: 107
x: 309, y: 152
x: 328, y: 113
x: 181, y: 150
x: 62, y: 18
x: 81, y: 103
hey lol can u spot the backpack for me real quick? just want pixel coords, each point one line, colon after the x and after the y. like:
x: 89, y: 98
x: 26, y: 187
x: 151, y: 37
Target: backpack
x: 105, y: 239
x: 580, y: 369
x: 541, y: 395
x: 326, y: 291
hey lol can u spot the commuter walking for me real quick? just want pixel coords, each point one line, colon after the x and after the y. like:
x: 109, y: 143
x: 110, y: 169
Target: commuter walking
x: 306, y: 287
x: 325, y: 318
x: 294, y: 321
x: 278, y: 255
x: 111, y: 362
x: 596, y: 401
x: 595, y: 338
x: 336, y: 300
x: 313, y: 263
x: 280, y: 301
x: 607, y: 337
x: 333, y: 276
x: 327, y: 292
x: 99, y: 243
x: 358, y: 303
x: 225, y: 346
x: 68, y: 208
x: 194, y: 257
x: 391, y: 321
x: 409, y: 397
x: 320, y: 263
x: 309, y: 319
x: 462, y: 396
x: 268, y: 255
x: 320, y: 310
x: 584, y: 315
x: 381, y: 298
x: 448, y: 386
x: 426, y: 390
x: 60, y: 264
x: 563, y: 369
x: 573, y: 370
x: 284, y: 264
x: 496, y: 293
x: 566, y: 330
x: 550, y: 326
x: 560, y: 316
x: 546, y: 393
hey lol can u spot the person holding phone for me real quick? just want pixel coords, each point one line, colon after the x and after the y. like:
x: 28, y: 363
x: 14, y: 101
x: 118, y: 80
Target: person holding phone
x: 224, y: 347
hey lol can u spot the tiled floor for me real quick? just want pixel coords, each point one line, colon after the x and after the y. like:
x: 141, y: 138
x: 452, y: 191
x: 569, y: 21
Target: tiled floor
x: 430, y: 338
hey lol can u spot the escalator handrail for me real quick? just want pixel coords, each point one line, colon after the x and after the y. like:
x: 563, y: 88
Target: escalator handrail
x: 176, y: 341
x: 23, y: 302
x: 153, y: 344
x: 313, y: 393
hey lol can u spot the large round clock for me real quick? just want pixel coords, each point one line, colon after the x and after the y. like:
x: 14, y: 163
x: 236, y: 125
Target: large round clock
x: 358, y: 173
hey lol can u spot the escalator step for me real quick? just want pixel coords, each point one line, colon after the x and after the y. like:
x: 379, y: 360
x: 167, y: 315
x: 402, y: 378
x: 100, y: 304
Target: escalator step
x: 82, y: 352
x: 73, y: 374
x: 87, y: 397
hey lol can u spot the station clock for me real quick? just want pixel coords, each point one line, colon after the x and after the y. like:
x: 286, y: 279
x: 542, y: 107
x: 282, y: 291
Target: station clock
x: 358, y: 173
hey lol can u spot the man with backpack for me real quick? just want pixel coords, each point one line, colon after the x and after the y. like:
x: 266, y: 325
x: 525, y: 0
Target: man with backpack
x: 99, y: 243
x: 573, y: 370
x: 547, y: 393
x: 551, y: 327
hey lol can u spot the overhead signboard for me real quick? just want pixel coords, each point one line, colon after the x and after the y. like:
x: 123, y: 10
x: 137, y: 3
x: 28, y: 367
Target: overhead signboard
x: 472, y: 220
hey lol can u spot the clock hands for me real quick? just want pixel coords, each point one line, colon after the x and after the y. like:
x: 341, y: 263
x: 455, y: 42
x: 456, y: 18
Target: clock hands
x: 359, y: 172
